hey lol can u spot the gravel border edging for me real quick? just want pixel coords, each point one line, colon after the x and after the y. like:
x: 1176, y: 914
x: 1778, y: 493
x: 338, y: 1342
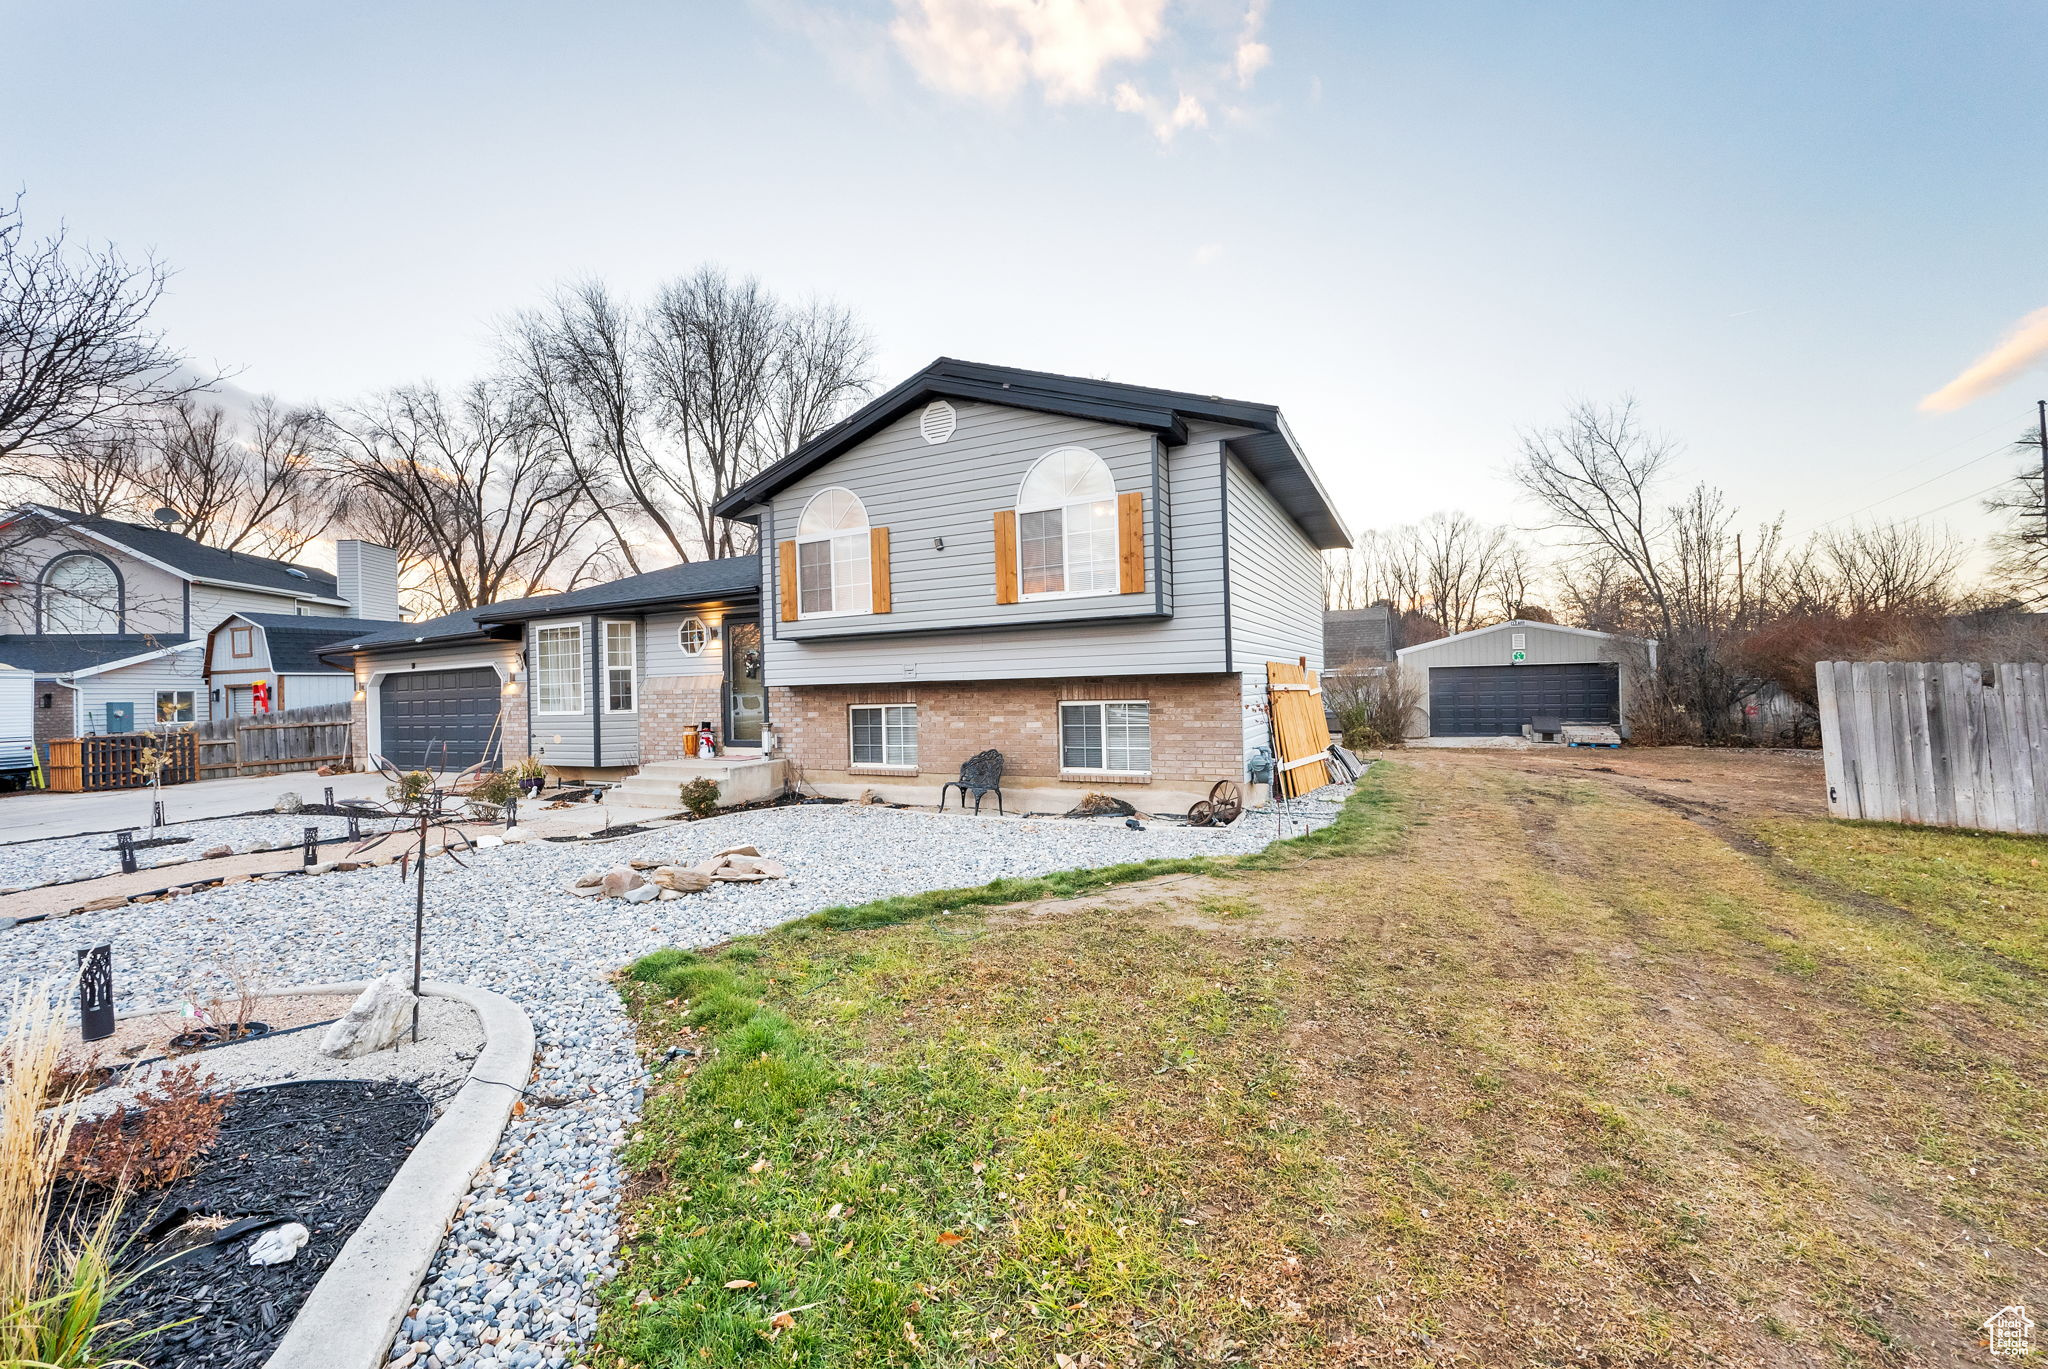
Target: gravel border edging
x: 354, y: 1312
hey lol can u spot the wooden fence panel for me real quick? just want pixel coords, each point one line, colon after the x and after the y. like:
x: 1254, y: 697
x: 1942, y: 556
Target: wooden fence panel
x: 1948, y: 744
x: 1301, y: 731
x: 297, y: 739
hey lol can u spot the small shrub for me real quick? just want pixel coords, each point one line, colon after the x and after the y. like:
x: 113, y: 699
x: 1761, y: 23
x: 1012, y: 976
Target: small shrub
x: 1372, y: 712
x: 700, y: 797
x: 175, y: 1120
x: 411, y: 789
x: 496, y: 789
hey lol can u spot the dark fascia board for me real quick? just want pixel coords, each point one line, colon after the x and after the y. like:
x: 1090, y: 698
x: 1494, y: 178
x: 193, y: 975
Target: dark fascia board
x: 679, y: 602
x: 1270, y: 451
x: 347, y: 651
x: 1279, y: 466
x: 1148, y: 616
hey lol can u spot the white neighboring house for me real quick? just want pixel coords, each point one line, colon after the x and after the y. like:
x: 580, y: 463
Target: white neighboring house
x: 112, y: 617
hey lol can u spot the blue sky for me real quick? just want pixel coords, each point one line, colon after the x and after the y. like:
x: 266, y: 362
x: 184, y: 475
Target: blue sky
x: 1417, y: 228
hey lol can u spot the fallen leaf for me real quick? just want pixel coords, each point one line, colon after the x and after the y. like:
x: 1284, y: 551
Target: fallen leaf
x: 846, y: 1250
x: 782, y: 1321
x: 950, y: 1238
x: 740, y: 1283
x: 910, y: 1334
x: 801, y: 1240
x: 758, y: 1165
x: 519, y: 1107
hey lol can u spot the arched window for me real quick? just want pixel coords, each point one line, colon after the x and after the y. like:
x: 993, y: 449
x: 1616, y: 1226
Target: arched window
x: 832, y: 556
x: 81, y: 593
x: 1066, y: 526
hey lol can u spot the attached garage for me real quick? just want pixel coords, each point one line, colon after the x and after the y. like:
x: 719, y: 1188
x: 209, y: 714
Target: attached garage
x: 1494, y: 681
x: 440, y: 719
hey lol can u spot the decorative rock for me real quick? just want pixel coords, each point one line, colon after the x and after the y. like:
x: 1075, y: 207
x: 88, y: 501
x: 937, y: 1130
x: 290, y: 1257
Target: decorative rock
x: 621, y: 881
x: 642, y: 865
x: 680, y: 879
x: 289, y: 802
x: 279, y: 1244
x: 671, y: 895
x: 515, y: 834
x: 646, y: 893
x: 747, y: 850
x: 488, y: 840
x: 585, y: 890
x: 322, y: 867
x: 373, y: 1022
x: 101, y: 905
x: 590, y: 879
x: 216, y: 852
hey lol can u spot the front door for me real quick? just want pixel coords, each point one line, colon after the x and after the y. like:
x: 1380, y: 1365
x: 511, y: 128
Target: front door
x: 746, y: 697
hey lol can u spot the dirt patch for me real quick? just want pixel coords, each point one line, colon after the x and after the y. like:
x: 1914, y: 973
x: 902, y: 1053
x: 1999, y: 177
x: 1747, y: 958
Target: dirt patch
x: 1755, y: 783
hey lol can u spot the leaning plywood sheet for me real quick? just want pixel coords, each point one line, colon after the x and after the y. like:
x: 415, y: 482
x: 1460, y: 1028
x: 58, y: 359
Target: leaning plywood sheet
x: 1301, y: 734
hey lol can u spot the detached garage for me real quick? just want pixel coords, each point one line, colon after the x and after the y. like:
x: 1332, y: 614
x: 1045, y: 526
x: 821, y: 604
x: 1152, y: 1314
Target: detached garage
x: 1494, y: 681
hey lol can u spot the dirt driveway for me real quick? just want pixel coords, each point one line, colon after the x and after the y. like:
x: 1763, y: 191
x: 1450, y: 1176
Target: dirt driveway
x: 1741, y: 784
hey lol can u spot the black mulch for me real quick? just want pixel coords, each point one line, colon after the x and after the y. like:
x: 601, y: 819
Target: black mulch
x: 320, y: 1153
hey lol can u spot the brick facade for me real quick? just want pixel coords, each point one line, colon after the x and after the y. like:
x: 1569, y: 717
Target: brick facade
x: 671, y: 705
x: 60, y: 719
x: 1197, y: 737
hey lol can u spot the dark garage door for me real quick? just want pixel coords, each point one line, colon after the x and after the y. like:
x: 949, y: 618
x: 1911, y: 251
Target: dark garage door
x: 1496, y: 700
x: 439, y: 719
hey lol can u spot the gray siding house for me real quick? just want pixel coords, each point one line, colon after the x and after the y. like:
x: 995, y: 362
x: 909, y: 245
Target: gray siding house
x: 1494, y: 681
x: 1087, y: 576
x: 593, y: 683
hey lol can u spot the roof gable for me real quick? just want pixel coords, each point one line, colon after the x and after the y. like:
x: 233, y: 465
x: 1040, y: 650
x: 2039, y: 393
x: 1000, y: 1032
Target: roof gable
x: 294, y: 640
x: 1268, y: 450
x: 192, y: 560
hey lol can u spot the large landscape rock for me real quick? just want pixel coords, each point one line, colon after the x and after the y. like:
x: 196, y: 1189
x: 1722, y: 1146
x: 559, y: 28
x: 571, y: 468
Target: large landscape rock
x: 621, y: 881
x: 680, y: 879
x: 374, y: 1022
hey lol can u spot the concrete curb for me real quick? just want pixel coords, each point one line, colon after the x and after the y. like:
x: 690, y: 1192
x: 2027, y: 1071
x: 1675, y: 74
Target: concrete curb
x: 354, y: 1312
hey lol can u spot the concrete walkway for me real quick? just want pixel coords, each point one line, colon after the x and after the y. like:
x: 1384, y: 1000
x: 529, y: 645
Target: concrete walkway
x: 34, y: 814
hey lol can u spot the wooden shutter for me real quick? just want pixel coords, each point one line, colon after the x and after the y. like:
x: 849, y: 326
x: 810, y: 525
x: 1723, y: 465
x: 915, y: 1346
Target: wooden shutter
x: 785, y: 555
x: 1130, y: 542
x: 878, y: 567
x: 1006, y: 556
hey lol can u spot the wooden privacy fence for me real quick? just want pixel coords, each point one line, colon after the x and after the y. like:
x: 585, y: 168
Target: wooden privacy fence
x: 1301, y: 734
x: 296, y: 739
x: 1952, y: 744
x: 116, y: 761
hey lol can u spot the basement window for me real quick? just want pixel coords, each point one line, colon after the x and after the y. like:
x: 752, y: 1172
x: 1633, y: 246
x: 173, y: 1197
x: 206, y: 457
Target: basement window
x: 1109, y: 738
x: 884, y: 734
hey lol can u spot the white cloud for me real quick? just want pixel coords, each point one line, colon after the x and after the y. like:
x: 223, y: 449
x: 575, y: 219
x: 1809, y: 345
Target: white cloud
x: 992, y: 49
x: 1252, y: 56
x: 2024, y: 344
x: 1166, y: 121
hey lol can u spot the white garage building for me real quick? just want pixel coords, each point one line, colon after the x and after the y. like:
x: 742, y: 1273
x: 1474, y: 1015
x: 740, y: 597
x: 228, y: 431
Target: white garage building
x: 1493, y: 681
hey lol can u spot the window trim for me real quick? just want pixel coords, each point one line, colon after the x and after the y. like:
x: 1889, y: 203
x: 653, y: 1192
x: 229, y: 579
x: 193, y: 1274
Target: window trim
x: 581, y: 666
x: 191, y: 704
x: 703, y: 637
x: 241, y: 642
x: 885, y: 765
x: 866, y: 533
x: 1064, y: 510
x: 43, y: 596
x: 632, y: 667
x: 1084, y: 771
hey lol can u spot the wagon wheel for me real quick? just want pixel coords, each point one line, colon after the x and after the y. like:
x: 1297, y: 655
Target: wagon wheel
x: 1226, y: 803
x: 1203, y: 814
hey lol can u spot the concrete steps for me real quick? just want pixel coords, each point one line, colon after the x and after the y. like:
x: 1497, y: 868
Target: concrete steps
x: 741, y: 778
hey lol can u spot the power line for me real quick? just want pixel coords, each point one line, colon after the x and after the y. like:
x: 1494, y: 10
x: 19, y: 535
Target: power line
x: 2003, y: 447
x: 1918, y: 462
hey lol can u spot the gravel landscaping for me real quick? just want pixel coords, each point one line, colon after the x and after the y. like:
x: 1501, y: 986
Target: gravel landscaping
x: 59, y: 860
x: 511, y: 1288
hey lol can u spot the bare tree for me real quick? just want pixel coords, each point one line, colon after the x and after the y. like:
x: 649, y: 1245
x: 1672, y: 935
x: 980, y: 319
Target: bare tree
x: 2021, y: 547
x: 1456, y: 558
x: 1899, y: 568
x: 242, y: 486
x: 474, y: 492
x: 76, y: 348
x: 1595, y: 476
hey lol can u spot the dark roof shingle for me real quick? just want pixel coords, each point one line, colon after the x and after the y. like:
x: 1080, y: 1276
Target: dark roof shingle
x: 51, y: 653
x: 295, y: 639
x: 1269, y: 450
x: 198, y: 560
x: 690, y: 581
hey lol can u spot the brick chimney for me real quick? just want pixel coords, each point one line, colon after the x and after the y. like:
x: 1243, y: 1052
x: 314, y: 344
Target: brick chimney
x: 368, y: 576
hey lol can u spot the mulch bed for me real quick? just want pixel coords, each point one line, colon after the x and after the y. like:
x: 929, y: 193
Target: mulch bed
x: 318, y: 1152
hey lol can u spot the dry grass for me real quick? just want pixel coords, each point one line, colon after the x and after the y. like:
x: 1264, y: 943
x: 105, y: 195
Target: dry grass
x: 32, y: 1143
x: 1562, y: 1077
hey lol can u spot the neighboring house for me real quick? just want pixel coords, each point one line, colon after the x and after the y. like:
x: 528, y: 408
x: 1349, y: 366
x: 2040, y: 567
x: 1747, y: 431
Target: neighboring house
x: 113, y: 616
x: 594, y: 682
x: 1492, y: 681
x: 90, y: 683
x: 269, y: 662
x: 1087, y: 576
x: 1360, y: 637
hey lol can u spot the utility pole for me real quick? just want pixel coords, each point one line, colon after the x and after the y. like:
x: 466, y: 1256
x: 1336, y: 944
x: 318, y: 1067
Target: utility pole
x: 2041, y: 408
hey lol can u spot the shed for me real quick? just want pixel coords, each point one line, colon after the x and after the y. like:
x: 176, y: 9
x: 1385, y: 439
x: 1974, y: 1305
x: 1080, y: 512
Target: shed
x: 1494, y: 681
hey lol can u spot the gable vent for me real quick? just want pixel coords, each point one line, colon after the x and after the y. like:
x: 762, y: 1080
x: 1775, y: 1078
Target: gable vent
x: 937, y: 422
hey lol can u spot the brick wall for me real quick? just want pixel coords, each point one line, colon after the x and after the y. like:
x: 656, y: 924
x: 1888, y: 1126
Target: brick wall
x: 671, y: 705
x: 1197, y: 735
x: 60, y: 719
